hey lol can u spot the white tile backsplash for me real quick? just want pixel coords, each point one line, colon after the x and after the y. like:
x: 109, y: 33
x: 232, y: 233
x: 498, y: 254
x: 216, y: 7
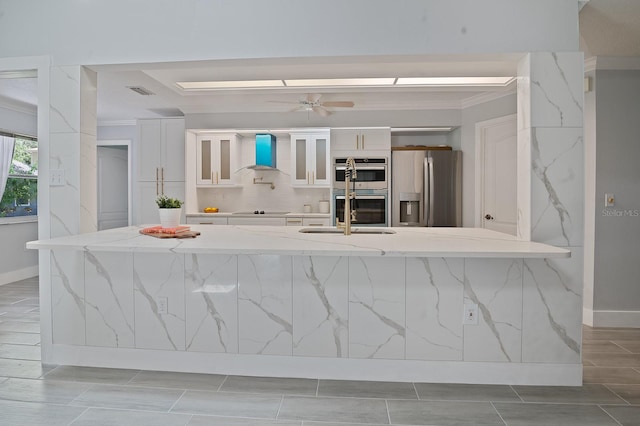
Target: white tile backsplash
x: 248, y: 197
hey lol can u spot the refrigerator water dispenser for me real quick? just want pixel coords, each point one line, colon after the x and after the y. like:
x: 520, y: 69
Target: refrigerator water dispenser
x: 410, y: 208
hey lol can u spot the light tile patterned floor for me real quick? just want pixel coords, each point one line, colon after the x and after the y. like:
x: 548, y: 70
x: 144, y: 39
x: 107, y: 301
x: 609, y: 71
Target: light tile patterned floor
x: 31, y: 394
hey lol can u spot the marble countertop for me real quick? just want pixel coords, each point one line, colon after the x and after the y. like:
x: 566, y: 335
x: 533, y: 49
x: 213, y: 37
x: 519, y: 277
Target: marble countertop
x: 249, y: 214
x: 286, y: 240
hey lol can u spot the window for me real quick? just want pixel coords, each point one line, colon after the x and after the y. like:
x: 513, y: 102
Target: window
x: 20, y: 197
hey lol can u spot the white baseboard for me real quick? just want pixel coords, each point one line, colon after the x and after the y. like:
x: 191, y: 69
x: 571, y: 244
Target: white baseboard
x: 502, y: 373
x: 628, y: 319
x: 20, y: 274
x: 587, y: 316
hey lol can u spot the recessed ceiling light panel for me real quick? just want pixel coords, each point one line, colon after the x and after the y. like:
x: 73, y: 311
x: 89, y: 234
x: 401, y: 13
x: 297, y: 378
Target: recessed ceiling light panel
x: 453, y: 81
x: 332, y: 82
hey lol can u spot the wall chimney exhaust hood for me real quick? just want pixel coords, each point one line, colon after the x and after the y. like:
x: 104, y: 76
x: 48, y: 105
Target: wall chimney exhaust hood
x: 265, y: 152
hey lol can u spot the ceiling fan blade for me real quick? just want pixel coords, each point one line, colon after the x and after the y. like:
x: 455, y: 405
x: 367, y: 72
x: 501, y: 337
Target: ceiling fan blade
x: 298, y: 108
x: 321, y: 111
x: 313, y: 97
x: 283, y: 102
x: 342, y: 104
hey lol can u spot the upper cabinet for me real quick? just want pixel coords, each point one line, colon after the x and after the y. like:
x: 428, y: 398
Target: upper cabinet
x: 358, y: 140
x: 161, y: 150
x: 217, y: 159
x: 310, y: 159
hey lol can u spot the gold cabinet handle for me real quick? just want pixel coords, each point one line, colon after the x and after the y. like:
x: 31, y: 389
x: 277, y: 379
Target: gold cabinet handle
x: 162, y: 175
x: 362, y: 141
x: 307, y: 178
x: 157, y: 193
x: 313, y: 177
x: 212, y: 181
x: 216, y: 177
x: 357, y: 141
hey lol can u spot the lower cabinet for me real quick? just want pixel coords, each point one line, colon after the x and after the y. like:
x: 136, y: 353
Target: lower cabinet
x: 308, y: 221
x: 199, y: 220
x: 264, y: 221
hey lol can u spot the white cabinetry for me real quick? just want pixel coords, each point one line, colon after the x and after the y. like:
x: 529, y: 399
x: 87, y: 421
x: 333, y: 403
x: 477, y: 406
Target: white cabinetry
x: 308, y: 221
x: 310, y: 159
x: 199, y: 220
x: 356, y: 140
x: 217, y: 159
x: 263, y: 221
x: 160, y: 161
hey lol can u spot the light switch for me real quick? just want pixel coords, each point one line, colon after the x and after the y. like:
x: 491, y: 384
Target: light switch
x: 609, y: 200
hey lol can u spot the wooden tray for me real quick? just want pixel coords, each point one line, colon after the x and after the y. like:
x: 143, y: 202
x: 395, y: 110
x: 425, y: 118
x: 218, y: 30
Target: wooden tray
x: 185, y: 234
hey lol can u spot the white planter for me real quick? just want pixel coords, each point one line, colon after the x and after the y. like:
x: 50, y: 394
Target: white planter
x: 170, y: 218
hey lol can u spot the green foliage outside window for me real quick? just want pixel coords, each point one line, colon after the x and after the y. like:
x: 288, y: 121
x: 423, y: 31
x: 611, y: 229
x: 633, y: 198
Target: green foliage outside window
x: 21, y: 192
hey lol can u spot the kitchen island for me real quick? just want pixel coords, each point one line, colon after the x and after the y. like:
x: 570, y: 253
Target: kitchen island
x: 421, y: 304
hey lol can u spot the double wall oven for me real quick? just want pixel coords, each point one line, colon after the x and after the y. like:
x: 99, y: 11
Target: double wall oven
x: 371, y: 187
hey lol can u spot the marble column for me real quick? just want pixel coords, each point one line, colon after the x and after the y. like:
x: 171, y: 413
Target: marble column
x: 551, y: 202
x: 73, y: 127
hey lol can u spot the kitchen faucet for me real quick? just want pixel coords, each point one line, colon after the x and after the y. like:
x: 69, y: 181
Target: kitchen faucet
x: 349, y: 214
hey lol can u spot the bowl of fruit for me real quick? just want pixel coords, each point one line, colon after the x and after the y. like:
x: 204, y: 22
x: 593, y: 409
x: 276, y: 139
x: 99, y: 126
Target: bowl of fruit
x: 211, y: 210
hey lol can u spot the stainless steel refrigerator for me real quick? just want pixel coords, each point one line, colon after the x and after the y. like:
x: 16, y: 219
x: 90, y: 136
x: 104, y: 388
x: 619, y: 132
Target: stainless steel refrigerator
x: 426, y: 187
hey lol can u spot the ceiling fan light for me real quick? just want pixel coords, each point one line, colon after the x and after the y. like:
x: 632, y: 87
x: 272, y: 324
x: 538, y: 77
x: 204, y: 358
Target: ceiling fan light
x: 229, y: 84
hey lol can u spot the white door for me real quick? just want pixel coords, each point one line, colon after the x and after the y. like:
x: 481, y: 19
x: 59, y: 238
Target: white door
x: 113, y: 187
x: 497, y: 142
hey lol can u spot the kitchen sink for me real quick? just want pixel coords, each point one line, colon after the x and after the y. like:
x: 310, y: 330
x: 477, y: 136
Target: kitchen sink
x: 331, y: 230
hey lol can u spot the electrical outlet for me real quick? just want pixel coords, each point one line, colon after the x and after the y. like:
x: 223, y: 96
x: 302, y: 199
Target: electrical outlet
x: 56, y: 177
x: 470, y: 314
x: 609, y: 200
x: 163, y: 305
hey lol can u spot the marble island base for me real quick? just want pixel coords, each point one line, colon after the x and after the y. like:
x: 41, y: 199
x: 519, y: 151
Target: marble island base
x: 332, y: 317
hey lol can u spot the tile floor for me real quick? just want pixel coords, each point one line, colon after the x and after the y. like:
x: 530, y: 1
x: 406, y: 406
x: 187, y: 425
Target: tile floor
x: 31, y: 394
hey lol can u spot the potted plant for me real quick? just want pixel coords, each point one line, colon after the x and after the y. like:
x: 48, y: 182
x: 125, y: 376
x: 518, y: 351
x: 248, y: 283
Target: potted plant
x: 170, y: 210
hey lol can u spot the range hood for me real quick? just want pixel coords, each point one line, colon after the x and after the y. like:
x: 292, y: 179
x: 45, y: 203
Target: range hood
x: 265, y: 152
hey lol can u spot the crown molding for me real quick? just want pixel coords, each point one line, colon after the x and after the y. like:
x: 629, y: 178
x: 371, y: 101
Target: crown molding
x: 485, y: 97
x: 17, y: 106
x: 590, y: 64
x: 107, y: 123
x: 612, y: 63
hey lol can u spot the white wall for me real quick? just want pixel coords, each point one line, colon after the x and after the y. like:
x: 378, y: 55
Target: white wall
x: 616, y: 266
x: 15, y: 262
x: 470, y: 116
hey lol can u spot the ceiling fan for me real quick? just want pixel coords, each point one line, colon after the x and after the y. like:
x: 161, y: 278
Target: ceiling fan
x: 312, y: 103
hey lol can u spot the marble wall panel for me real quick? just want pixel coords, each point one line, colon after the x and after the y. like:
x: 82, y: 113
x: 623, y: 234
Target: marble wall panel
x: 88, y: 101
x: 495, y: 285
x: 552, y: 318
x: 321, y: 306
x: 65, y: 99
x: 264, y: 305
x: 67, y: 297
x: 377, y: 307
x: 88, y: 183
x: 557, y: 186
x: 109, y: 299
x: 434, y: 306
x: 65, y: 199
x: 556, y: 85
x: 524, y: 93
x: 157, y: 275
x: 211, y: 298
x: 523, y: 193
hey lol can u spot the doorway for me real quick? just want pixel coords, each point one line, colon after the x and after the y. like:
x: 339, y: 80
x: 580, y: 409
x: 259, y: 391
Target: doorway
x: 496, y: 174
x: 114, y: 184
